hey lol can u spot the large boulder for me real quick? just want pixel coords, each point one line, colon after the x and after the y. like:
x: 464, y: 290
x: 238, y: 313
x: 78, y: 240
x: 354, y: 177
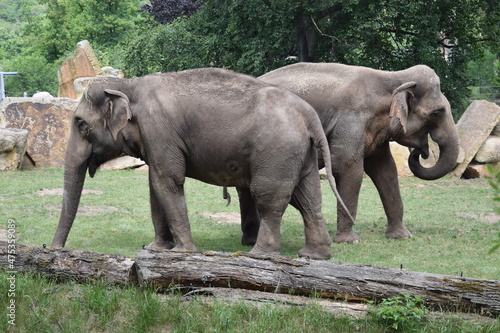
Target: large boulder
x: 78, y: 71
x: 83, y: 63
x: 489, y: 152
x: 48, y: 121
x: 12, y: 148
x: 122, y: 163
x: 400, y: 154
x: 474, y: 127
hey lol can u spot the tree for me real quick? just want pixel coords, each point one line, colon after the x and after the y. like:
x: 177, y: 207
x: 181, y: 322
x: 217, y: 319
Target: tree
x: 35, y: 74
x: 66, y: 22
x: 255, y: 36
x: 166, y: 11
x: 48, y: 30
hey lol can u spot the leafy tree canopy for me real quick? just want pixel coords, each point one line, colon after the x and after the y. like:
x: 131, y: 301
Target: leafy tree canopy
x: 255, y: 36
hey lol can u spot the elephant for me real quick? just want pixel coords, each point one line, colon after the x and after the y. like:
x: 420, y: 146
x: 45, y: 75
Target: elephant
x: 361, y: 111
x: 213, y: 125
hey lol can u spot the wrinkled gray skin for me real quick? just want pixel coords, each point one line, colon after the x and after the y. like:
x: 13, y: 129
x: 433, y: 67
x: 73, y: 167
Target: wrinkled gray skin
x: 361, y: 110
x: 213, y: 125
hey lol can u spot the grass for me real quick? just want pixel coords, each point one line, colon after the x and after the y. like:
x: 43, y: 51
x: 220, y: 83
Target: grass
x: 451, y: 221
x: 44, y: 306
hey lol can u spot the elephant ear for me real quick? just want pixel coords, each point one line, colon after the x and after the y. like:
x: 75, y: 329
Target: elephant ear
x: 399, y: 104
x: 118, y: 113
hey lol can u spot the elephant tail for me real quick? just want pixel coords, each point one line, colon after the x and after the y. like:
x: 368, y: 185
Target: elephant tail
x: 321, y: 142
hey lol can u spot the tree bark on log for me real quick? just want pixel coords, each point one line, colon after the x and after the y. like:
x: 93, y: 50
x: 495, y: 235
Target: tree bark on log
x: 164, y: 270
x: 66, y: 264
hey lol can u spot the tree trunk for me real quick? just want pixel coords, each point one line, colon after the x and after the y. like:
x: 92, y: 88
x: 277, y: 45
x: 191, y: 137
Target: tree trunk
x: 164, y: 270
x: 307, y: 34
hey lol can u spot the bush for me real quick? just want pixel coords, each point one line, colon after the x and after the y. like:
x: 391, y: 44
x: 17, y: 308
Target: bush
x: 403, y: 313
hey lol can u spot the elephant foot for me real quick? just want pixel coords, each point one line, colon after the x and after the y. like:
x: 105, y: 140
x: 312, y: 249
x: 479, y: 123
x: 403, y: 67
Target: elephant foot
x: 248, y: 240
x: 163, y: 245
x: 259, y: 250
x: 188, y: 248
x: 349, y: 237
x: 316, y: 252
x: 397, y: 232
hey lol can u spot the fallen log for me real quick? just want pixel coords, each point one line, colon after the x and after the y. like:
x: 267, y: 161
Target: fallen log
x: 66, y: 264
x: 359, y: 283
x: 164, y: 270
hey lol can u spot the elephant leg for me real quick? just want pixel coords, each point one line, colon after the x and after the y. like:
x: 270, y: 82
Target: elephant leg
x: 271, y: 199
x: 382, y: 170
x: 307, y: 199
x: 250, y: 219
x: 170, y: 197
x: 348, y: 180
x: 163, y: 236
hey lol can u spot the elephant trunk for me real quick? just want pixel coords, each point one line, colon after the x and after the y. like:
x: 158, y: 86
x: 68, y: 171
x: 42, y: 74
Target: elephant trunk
x: 449, y: 147
x: 75, y: 167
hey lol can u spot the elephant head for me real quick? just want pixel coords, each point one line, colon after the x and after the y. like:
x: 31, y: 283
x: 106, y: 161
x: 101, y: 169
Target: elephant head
x: 419, y: 109
x: 94, y: 139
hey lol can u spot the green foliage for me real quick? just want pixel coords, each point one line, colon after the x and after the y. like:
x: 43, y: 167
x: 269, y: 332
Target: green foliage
x: 494, y: 182
x: 46, y: 31
x: 256, y: 36
x: 485, y: 75
x: 35, y: 74
x: 66, y: 22
x: 404, y: 313
x: 249, y: 38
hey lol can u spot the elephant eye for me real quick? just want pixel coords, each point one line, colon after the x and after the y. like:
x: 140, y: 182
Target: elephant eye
x: 82, y: 126
x: 437, y: 113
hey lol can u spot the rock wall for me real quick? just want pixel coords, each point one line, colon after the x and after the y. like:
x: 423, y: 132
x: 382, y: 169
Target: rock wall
x: 48, y: 123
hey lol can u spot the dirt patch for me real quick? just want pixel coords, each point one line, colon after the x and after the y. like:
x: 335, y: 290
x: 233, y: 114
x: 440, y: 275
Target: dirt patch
x: 223, y: 217
x: 482, y: 217
x: 59, y: 191
x: 89, y: 210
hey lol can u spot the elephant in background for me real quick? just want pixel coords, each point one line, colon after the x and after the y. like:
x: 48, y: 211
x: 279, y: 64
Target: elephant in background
x: 361, y: 110
x: 213, y: 125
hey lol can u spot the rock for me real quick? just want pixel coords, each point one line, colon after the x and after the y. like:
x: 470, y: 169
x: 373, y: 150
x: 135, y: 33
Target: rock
x: 474, y: 127
x: 434, y: 155
x: 83, y: 63
x: 12, y: 148
x: 144, y: 168
x: 123, y: 162
x: 80, y: 84
x: 43, y: 94
x: 474, y: 170
x: 400, y: 154
x: 496, y: 131
x: 48, y: 122
x: 110, y: 71
x: 489, y: 151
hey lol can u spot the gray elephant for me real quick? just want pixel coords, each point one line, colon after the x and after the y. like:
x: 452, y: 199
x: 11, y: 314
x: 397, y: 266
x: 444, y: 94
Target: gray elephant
x: 213, y: 125
x: 361, y: 110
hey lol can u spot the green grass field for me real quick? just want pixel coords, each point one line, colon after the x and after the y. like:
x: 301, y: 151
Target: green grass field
x: 452, y: 222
